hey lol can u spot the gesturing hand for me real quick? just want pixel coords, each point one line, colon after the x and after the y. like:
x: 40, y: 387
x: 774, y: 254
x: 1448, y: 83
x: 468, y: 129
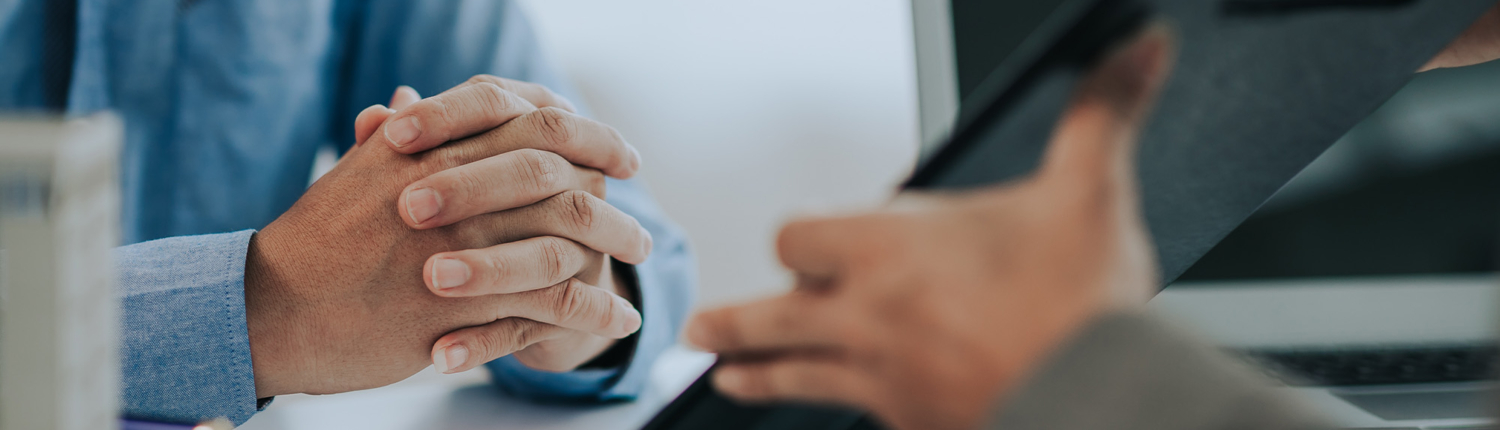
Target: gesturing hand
x: 925, y: 313
x: 1478, y: 44
x: 335, y: 294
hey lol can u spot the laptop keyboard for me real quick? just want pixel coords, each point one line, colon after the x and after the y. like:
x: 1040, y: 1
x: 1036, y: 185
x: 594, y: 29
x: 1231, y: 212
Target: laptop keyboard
x: 1346, y: 367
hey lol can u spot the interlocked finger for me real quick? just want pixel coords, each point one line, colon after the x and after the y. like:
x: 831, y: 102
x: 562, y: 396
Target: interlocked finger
x: 574, y: 215
x: 506, y: 268
x: 502, y: 182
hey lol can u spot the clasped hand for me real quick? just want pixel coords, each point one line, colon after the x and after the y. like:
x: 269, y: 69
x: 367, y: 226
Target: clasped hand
x: 462, y: 228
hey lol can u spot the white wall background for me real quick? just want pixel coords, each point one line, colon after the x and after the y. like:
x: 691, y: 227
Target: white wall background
x: 747, y: 112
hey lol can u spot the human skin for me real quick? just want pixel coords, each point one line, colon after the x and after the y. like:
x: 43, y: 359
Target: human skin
x: 929, y: 311
x: 1480, y: 43
x: 926, y: 312
x: 341, y: 293
x: 496, y: 271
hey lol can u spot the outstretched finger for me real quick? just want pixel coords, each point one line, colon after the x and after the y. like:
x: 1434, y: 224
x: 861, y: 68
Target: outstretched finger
x: 1480, y: 43
x: 796, y: 320
x: 797, y: 378
x: 1095, y: 140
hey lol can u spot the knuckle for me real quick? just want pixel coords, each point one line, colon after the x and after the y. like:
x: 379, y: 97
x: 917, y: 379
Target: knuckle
x: 495, y: 264
x: 494, y: 101
x: 510, y: 334
x: 463, y: 186
x: 504, y: 338
x: 569, y: 300
x: 480, y: 344
x: 445, y: 157
x: 482, y: 78
x: 446, y: 113
x: 556, y: 126
x: 577, y: 209
x: 554, y: 255
x: 526, y: 333
x: 542, y: 170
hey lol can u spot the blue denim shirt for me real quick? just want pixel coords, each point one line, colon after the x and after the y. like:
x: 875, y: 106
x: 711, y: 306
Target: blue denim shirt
x: 225, y: 103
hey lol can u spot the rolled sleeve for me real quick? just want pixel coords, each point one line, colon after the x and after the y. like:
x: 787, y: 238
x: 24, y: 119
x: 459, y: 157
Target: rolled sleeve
x: 666, y: 290
x: 186, y: 348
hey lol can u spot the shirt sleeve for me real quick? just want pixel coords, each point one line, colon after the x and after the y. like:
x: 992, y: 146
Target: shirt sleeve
x: 1130, y: 371
x: 665, y: 285
x: 186, y: 348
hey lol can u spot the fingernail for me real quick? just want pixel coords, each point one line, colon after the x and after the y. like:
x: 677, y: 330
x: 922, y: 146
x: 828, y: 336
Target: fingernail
x: 452, y: 357
x: 403, y: 131
x: 448, y: 273
x: 635, y: 161
x: 422, y: 204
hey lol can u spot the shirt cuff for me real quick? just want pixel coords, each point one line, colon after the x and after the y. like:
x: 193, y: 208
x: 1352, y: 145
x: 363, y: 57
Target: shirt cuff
x: 186, y: 346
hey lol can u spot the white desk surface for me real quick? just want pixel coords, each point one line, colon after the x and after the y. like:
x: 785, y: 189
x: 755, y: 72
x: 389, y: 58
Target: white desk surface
x: 466, y: 401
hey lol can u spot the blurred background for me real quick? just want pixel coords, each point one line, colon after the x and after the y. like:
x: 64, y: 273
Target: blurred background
x: 1409, y: 191
x: 747, y: 113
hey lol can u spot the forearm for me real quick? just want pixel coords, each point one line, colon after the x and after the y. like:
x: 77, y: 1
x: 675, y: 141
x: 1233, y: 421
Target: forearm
x: 186, y: 350
x: 1131, y: 371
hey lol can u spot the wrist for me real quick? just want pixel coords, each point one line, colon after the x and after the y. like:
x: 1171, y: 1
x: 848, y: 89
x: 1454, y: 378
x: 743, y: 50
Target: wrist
x: 269, y: 316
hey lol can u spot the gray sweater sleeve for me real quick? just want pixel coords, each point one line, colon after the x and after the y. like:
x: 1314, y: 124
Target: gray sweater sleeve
x: 1131, y: 371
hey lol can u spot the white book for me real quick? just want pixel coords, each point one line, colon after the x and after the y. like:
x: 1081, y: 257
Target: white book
x: 59, y: 316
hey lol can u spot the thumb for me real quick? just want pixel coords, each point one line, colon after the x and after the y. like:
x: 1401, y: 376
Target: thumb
x: 1095, y: 138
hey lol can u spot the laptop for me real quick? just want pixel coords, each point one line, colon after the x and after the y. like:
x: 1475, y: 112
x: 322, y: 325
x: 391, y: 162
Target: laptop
x: 1223, y: 141
x: 1368, y: 283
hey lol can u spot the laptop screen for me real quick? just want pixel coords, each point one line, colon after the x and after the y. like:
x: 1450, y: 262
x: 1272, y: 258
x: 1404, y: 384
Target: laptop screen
x: 1412, y: 190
